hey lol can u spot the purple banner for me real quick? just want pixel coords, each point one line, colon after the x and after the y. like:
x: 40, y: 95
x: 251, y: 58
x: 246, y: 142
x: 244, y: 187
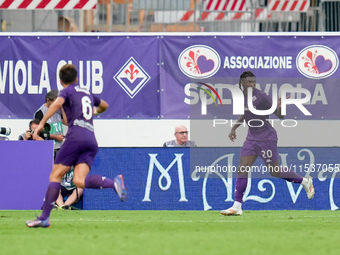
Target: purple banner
x: 122, y: 70
x: 303, y: 63
x: 25, y: 167
x: 150, y: 77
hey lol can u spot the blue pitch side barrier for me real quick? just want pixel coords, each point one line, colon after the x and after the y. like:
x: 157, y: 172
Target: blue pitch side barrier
x: 163, y: 179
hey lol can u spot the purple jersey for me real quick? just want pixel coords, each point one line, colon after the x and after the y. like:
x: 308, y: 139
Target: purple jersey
x: 259, y: 128
x: 78, y: 108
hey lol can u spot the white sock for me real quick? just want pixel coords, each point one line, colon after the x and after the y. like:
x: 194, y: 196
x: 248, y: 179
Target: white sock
x: 304, y: 182
x: 237, y: 205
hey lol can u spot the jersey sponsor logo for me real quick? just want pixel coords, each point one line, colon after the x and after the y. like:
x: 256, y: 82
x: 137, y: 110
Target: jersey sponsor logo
x: 132, y: 77
x: 83, y: 124
x: 199, y: 61
x: 317, y: 61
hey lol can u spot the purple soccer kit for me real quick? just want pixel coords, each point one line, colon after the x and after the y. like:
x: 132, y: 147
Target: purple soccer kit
x: 80, y: 144
x: 261, y: 141
x: 262, y: 137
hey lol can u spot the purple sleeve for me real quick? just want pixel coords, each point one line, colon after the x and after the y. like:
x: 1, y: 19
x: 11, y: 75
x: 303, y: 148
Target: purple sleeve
x: 62, y: 93
x: 96, y: 100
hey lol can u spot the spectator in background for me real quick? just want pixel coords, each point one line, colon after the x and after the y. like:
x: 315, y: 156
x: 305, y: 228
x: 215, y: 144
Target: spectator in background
x: 33, y: 124
x: 55, y: 121
x: 181, y: 134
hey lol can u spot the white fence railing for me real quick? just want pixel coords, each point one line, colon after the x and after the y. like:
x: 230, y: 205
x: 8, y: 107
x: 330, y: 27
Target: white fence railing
x: 179, y: 16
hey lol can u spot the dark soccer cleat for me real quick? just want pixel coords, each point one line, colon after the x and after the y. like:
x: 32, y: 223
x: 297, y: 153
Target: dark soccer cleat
x: 120, y: 188
x: 38, y: 223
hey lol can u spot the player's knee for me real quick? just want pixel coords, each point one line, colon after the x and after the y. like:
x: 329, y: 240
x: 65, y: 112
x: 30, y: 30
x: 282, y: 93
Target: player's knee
x: 79, y: 182
x: 55, y: 177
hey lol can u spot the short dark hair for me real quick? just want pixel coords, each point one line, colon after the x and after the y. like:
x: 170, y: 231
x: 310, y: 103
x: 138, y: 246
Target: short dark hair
x: 68, y: 73
x: 51, y: 95
x: 34, y: 121
x: 245, y: 75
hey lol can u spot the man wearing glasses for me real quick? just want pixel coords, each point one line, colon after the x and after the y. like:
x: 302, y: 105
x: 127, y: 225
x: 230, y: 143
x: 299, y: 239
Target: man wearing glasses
x: 181, y: 134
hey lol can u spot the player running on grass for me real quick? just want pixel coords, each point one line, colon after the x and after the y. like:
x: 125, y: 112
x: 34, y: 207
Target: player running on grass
x: 261, y: 141
x: 80, y: 146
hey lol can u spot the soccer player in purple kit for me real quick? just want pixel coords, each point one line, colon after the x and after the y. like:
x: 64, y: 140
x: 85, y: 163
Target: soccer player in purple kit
x: 261, y: 141
x: 80, y: 146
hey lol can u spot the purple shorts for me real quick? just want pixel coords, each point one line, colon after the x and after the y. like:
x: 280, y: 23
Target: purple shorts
x: 267, y: 150
x: 72, y: 153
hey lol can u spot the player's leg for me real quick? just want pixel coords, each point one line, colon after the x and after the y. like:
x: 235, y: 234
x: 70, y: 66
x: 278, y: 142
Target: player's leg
x: 82, y: 180
x: 241, y: 184
x: 53, y: 189
x: 285, y: 173
x: 270, y: 154
x: 289, y: 175
x: 52, y: 193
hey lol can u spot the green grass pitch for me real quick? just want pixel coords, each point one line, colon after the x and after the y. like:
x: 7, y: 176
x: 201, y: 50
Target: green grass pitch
x: 172, y: 232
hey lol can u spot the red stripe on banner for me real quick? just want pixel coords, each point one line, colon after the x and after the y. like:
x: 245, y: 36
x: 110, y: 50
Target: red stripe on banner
x: 6, y: 4
x: 242, y: 4
x: 61, y: 4
x: 293, y: 6
x: 224, y: 8
x: 217, y: 5
x: 284, y: 6
x: 225, y: 5
x: 233, y: 6
x: 80, y: 4
x: 258, y: 12
x: 302, y: 8
x: 24, y: 4
x: 43, y: 4
x: 220, y: 16
x: 94, y: 7
x: 204, y: 15
x: 275, y: 5
x: 238, y: 15
x: 209, y: 5
x: 187, y: 16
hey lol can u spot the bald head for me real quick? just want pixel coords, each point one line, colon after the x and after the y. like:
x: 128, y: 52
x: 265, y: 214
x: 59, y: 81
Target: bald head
x: 181, y: 134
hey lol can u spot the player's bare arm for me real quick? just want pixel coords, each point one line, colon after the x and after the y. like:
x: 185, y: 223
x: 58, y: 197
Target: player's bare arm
x: 55, y: 106
x: 64, y: 119
x: 102, y: 107
x: 278, y: 109
x: 232, y: 134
